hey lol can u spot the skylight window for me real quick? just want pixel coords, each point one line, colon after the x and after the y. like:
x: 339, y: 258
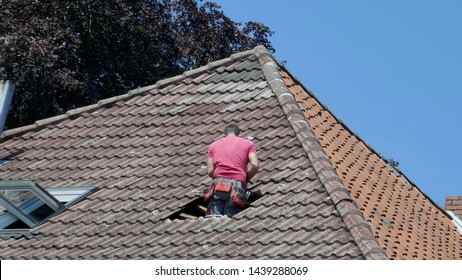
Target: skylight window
x: 4, y: 161
x: 25, y: 204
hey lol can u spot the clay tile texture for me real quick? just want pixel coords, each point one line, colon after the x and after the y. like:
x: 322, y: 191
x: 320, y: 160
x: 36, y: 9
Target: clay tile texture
x: 326, y: 195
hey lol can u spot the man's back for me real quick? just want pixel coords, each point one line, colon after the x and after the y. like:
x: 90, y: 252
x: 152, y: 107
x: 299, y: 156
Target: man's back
x: 230, y: 157
x: 232, y: 161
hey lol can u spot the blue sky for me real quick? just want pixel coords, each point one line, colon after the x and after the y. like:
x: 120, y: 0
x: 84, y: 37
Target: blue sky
x: 390, y: 70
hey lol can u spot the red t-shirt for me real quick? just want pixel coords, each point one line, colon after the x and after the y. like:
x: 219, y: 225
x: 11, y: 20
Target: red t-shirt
x: 230, y: 157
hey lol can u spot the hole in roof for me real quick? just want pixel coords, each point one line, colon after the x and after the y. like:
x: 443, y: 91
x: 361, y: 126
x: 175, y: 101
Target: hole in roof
x: 191, y: 211
x: 25, y: 204
x: 198, y: 207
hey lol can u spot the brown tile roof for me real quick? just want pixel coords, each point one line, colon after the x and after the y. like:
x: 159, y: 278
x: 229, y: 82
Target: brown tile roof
x: 145, y: 151
x: 454, y: 204
x: 407, y: 224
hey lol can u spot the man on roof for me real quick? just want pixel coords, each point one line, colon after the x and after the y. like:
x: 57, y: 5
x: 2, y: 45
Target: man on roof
x: 232, y: 162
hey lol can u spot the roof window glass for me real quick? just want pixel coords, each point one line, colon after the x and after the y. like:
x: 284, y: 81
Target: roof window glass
x: 25, y: 204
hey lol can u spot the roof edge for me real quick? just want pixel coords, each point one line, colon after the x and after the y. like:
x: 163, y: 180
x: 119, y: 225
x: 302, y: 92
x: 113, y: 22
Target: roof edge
x: 344, y: 203
x: 7, y: 134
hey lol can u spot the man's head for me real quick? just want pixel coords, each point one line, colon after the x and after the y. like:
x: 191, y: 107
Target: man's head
x: 232, y: 129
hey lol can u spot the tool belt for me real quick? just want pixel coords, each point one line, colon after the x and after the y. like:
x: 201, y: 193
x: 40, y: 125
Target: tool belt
x: 227, y: 189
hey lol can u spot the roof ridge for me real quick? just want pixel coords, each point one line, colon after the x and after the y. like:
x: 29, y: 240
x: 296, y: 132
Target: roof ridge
x: 104, y: 102
x: 344, y: 203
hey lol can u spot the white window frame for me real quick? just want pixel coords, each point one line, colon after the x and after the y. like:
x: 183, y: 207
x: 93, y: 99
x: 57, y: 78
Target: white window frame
x: 56, y: 198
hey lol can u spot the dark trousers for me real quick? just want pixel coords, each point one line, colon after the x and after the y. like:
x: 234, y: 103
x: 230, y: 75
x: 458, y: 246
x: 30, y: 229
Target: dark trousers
x: 221, y: 203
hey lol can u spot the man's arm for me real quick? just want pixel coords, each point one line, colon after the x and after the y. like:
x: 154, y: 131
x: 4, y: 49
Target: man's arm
x: 252, y: 167
x: 210, y: 167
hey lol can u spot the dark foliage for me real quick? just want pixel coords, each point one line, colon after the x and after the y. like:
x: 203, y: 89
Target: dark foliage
x: 65, y: 54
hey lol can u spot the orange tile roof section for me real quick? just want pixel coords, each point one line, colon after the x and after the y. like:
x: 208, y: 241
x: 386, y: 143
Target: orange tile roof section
x: 407, y: 224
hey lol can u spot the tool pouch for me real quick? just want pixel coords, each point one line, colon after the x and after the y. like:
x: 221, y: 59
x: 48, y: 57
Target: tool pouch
x: 223, y: 186
x: 239, y: 197
x: 222, y: 190
x: 219, y: 190
x: 208, y: 193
